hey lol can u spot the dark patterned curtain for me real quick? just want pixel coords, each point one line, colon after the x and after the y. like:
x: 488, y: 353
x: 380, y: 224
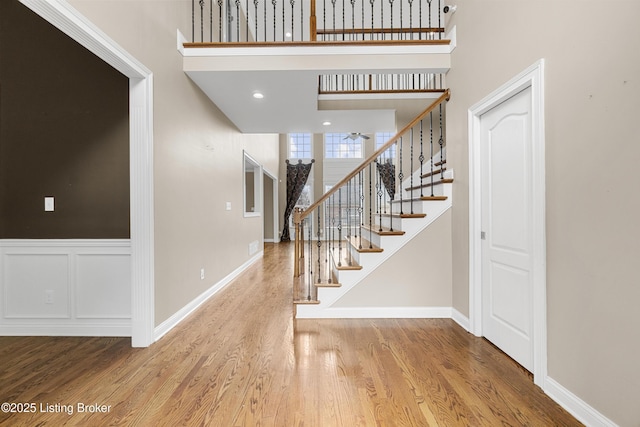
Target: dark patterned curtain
x: 387, y: 173
x: 297, y: 176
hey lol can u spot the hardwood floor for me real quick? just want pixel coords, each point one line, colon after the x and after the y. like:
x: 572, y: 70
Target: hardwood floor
x: 241, y: 360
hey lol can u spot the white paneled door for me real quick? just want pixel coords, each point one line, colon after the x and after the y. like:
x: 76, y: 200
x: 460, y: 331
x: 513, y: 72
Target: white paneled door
x: 507, y: 227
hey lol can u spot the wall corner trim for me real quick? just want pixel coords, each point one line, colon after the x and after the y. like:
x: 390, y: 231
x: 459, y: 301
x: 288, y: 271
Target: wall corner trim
x: 185, y: 311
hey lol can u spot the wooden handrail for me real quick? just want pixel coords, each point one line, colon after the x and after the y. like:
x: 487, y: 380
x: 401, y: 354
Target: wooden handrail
x: 379, y: 31
x: 444, y: 97
x: 188, y: 45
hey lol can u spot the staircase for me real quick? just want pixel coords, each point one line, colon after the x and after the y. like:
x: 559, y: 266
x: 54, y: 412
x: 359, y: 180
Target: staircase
x: 367, y: 218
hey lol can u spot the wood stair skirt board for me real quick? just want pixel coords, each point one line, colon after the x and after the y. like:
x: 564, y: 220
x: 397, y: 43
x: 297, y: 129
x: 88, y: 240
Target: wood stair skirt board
x: 388, y: 243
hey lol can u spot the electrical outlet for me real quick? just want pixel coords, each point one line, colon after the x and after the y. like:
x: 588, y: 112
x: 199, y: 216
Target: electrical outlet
x: 48, y: 297
x: 202, y: 274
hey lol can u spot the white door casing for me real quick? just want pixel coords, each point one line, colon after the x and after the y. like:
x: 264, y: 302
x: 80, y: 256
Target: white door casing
x: 506, y: 235
x: 72, y: 23
x: 533, y: 78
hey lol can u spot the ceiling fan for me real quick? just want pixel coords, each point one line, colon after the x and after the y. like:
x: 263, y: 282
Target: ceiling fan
x: 356, y: 135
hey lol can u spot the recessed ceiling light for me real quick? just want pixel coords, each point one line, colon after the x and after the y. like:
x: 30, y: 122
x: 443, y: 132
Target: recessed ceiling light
x: 326, y: 123
x: 258, y: 95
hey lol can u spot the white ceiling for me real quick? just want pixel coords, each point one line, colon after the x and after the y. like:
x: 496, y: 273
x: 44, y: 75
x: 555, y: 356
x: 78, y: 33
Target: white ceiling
x: 288, y: 79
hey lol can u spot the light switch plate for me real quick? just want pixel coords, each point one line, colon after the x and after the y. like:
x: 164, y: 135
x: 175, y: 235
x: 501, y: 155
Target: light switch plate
x: 228, y: 206
x: 49, y: 204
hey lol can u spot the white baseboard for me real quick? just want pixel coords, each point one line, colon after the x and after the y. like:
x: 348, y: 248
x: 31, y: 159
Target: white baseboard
x: 381, y: 313
x: 460, y: 319
x: 75, y: 330
x: 576, y: 406
x: 185, y: 311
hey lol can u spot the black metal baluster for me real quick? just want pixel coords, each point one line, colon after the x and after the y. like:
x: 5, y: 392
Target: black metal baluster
x: 349, y: 209
x: 333, y: 224
x: 237, y: 20
x: 401, y: 34
x: 362, y: 20
x: 333, y: 3
x: 324, y: 16
x: 360, y: 206
x: 353, y: 19
x: 340, y: 227
x: 220, y: 38
x: 380, y: 193
x: 420, y: 19
x: 201, y: 3
x: 372, y: 25
x: 421, y: 158
x: 439, y: 19
x: 430, y: 30
x: 411, y: 18
x: 274, y: 3
x: 327, y: 237
x: 283, y: 21
x: 441, y: 142
x: 382, y: 18
x: 411, y: 172
x: 246, y: 20
x: 400, y: 178
x: 255, y: 8
x: 319, y: 245
x: 343, y: 22
x: 431, y: 150
x: 193, y: 21
x: 293, y: 37
x: 349, y: 235
x: 309, y: 258
x: 391, y: 3
x: 211, y: 20
x: 370, y: 205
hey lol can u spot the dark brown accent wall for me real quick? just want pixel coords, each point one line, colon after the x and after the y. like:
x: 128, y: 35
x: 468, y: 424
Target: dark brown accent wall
x: 64, y: 132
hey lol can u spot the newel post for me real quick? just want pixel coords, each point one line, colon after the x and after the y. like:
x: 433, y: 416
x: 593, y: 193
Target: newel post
x: 299, y: 243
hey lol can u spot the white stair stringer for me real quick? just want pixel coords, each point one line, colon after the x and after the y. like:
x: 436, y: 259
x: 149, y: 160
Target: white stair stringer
x: 348, y: 279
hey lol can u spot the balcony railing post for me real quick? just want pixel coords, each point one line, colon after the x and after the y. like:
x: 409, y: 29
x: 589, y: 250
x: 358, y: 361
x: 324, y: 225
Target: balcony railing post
x: 313, y: 29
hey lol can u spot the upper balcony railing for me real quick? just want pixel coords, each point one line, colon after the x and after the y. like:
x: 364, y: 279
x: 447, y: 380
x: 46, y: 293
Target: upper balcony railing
x: 277, y: 21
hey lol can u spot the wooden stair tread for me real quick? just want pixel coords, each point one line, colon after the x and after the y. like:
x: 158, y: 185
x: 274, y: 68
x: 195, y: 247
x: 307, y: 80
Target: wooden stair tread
x: 343, y: 260
x: 304, y: 301
x: 435, y: 172
x: 419, y: 199
x: 384, y: 232
x: 441, y: 181
x: 362, y: 245
x: 404, y: 215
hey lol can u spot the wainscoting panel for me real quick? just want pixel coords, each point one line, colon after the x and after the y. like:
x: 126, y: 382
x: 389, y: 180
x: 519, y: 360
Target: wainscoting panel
x: 75, y: 287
